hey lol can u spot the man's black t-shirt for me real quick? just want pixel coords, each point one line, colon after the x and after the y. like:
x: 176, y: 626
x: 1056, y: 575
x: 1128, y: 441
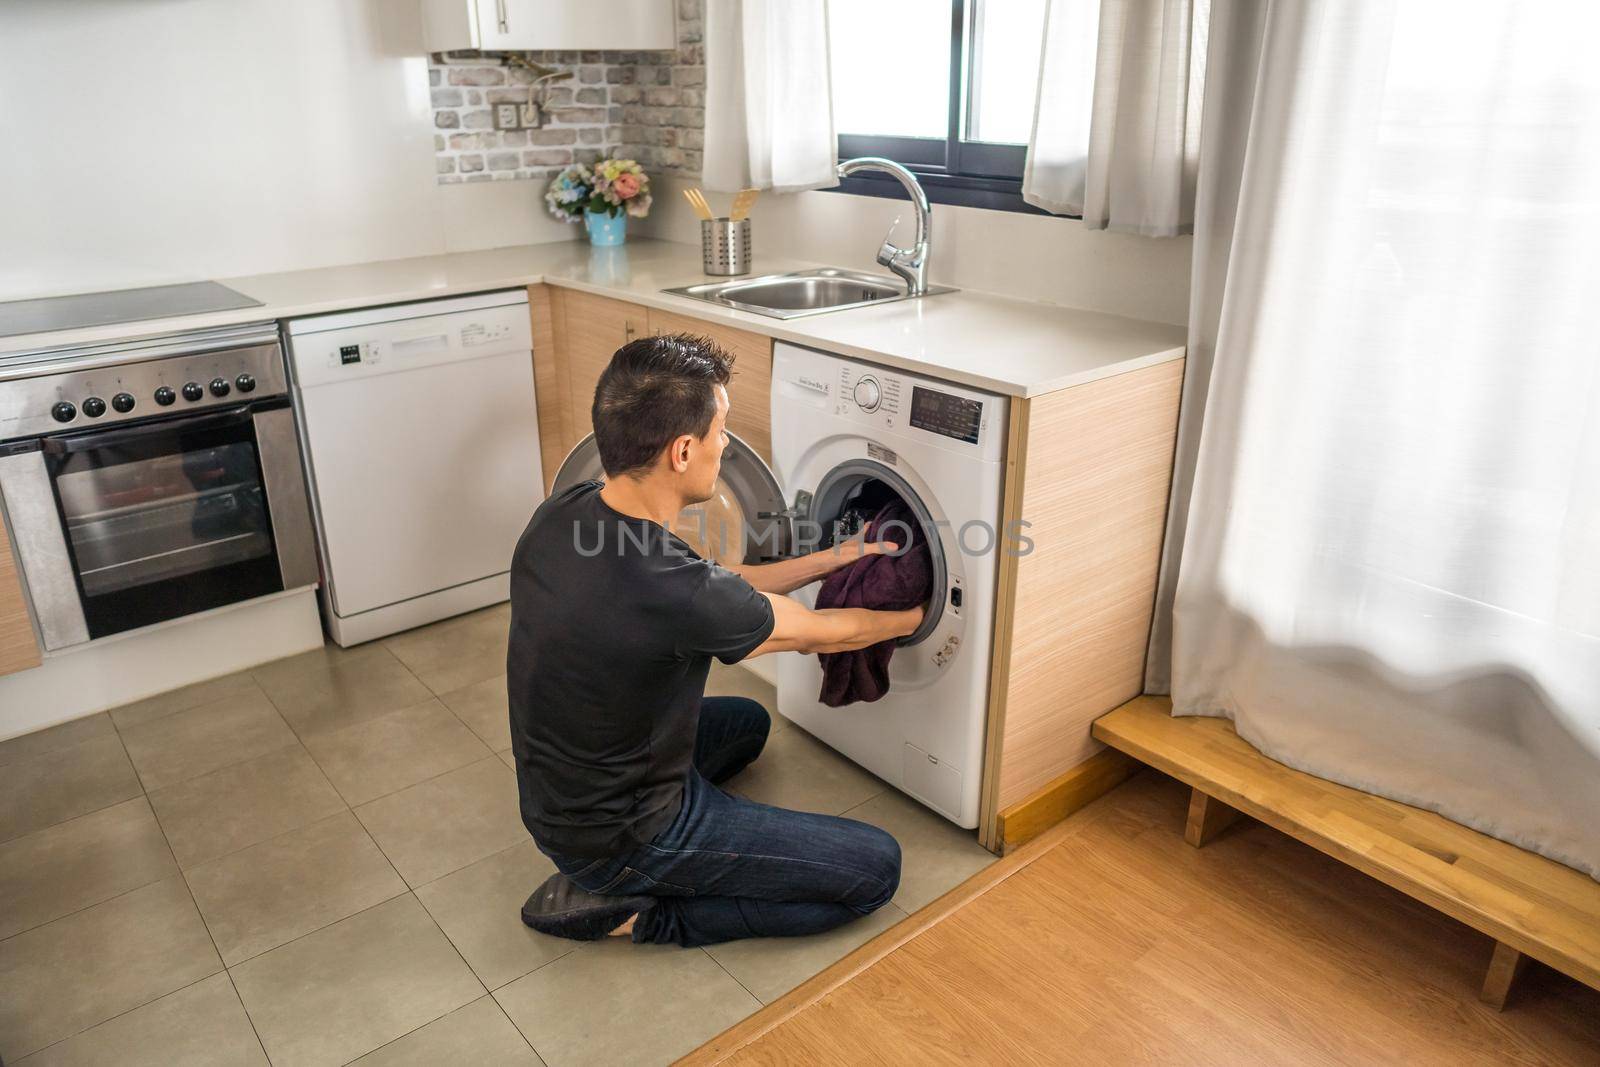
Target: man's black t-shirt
x: 614, y: 621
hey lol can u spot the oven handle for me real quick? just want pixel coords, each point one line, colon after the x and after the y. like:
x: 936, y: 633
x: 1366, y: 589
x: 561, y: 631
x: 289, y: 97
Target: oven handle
x: 64, y: 446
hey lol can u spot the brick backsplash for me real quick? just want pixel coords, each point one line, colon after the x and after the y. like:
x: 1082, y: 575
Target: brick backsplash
x: 649, y: 106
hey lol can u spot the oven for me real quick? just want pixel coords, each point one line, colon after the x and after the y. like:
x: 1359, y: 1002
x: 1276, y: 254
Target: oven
x: 153, y: 481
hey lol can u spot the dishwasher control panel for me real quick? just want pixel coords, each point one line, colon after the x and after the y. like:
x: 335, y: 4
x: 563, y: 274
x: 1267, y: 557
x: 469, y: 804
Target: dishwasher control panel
x: 352, y: 345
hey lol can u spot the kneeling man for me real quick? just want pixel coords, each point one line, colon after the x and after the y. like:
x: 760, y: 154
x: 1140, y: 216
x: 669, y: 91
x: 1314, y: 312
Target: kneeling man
x: 614, y: 621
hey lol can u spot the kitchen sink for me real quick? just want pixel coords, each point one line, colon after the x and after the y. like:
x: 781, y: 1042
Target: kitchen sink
x: 802, y: 292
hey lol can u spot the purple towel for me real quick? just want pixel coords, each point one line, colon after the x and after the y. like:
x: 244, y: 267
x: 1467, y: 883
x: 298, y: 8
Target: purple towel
x: 886, y: 582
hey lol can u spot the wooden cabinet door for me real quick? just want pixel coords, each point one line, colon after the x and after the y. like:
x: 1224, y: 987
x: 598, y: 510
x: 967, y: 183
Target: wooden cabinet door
x: 589, y: 330
x: 750, y: 392
x: 19, y: 649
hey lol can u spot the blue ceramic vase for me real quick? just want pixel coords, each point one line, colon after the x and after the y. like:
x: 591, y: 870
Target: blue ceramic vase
x: 606, y: 229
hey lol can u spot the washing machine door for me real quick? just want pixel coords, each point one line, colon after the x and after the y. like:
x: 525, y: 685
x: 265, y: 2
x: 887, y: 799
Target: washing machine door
x: 745, y: 521
x: 819, y: 508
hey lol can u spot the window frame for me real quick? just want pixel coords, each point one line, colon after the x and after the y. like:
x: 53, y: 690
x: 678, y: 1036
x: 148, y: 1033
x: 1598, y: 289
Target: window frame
x: 952, y: 170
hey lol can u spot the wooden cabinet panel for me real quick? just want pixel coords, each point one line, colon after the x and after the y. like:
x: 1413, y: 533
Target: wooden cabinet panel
x: 750, y: 392
x: 1089, y: 469
x: 588, y: 331
x: 19, y: 649
x: 574, y: 336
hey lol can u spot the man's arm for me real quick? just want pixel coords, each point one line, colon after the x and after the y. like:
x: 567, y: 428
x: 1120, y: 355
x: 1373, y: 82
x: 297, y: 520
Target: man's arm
x: 787, y: 575
x: 795, y: 628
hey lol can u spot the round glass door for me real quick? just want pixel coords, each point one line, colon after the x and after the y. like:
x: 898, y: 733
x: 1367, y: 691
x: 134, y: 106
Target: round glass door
x: 745, y: 520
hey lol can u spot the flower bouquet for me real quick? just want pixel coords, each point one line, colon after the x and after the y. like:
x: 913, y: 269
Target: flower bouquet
x: 603, y: 195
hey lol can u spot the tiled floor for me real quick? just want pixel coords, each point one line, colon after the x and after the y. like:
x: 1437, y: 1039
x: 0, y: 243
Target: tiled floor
x: 320, y: 861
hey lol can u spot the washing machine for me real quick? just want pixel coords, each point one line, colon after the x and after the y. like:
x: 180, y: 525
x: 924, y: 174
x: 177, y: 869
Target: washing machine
x: 844, y: 430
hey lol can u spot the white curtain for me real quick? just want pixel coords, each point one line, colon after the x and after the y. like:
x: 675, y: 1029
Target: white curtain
x: 769, y: 106
x: 1389, y: 558
x: 1116, y: 125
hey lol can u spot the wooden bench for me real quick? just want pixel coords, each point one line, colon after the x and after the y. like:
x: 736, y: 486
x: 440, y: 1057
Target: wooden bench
x: 1531, y: 906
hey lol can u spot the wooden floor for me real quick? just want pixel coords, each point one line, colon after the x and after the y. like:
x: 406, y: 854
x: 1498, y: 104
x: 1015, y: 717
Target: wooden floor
x: 1532, y: 904
x: 1119, y: 943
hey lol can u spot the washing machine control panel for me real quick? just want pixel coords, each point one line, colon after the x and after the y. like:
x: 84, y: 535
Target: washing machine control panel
x: 868, y: 393
x: 871, y: 394
x: 881, y: 400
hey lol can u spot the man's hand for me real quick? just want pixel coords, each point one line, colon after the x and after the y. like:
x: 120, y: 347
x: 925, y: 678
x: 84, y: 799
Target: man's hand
x: 787, y: 575
x: 847, y: 552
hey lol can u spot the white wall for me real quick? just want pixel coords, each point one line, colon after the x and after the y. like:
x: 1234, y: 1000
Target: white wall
x: 149, y: 141
x: 1032, y: 256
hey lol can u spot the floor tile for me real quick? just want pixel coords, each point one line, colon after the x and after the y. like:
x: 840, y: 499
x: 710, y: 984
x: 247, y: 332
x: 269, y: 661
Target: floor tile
x: 52, y: 787
x: 614, y: 1002
x: 479, y: 1033
x: 329, y: 692
x: 190, y: 696
x: 482, y: 706
x: 56, y: 737
x: 71, y: 865
x: 798, y: 771
x: 736, y: 681
x: 71, y: 974
x: 380, y: 756
x: 771, y: 966
x: 200, y: 1025
x: 508, y: 759
x: 199, y: 740
x: 243, y: 805
x: 269, y: 894
x: 445, y: 823
x: 351, y: 987
x: 283, y: 671
x: 936, y: 855
x: 457, y: 652
x: 480, y: 909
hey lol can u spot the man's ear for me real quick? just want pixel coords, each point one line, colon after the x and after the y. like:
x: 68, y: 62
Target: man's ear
x: 678, y: 453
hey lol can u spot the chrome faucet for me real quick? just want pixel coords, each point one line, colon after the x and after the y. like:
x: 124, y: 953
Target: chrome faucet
x: 909, y: 263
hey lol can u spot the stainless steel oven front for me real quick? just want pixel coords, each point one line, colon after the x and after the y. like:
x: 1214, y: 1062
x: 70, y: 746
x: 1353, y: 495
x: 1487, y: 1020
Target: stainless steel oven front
x: 147, y: 481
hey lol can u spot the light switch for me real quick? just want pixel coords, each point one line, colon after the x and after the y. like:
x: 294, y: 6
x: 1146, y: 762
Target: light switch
x: 507, y: 117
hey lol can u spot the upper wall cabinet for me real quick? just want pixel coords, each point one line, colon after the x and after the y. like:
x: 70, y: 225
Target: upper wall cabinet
x: 532, y: 25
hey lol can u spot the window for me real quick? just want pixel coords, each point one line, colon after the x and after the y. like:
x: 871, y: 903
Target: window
x: 945, y: 87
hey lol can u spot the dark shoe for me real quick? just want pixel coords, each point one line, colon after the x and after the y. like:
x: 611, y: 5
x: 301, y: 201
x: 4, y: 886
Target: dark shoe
x: 563, y: 908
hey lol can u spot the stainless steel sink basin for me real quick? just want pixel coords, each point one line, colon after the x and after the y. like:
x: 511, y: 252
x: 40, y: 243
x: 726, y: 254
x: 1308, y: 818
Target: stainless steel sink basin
x: 804, y: 292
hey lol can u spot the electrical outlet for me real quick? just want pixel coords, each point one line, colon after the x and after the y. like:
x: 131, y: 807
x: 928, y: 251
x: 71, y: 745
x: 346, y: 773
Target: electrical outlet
x: 532, y: 116
x: 508, y: 117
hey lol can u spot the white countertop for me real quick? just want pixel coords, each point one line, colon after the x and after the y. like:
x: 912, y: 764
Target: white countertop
x: 1015, y: 347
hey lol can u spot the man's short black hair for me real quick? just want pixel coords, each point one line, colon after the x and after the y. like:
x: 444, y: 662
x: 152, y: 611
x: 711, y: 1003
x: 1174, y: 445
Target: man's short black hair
x: 655, y: 390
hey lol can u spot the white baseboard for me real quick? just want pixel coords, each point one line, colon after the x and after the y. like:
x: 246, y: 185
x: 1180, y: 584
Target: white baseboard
x: 118, y: 670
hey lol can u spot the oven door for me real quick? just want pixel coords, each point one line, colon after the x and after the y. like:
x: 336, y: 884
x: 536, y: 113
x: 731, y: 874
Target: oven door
x: 174, y: 517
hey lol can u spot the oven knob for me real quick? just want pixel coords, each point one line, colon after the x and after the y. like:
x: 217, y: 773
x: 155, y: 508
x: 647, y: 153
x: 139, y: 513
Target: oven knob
x: 246, y: 383
x: 123, y: 402
x: 165, y: 396
x: 63, y: 412
x: 220, y: 387
x: 868, y: 394
x: 94, y: 407
x: 193, y: 391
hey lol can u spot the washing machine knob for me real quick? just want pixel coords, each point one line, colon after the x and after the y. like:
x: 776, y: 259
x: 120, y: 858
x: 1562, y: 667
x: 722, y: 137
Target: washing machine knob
x: 868, y: 394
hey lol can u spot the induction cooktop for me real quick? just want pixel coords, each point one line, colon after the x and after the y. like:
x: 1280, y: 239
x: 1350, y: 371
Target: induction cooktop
x: 118, y: 305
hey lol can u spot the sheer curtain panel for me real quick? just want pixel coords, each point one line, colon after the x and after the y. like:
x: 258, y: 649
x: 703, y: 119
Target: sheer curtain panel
x: 1386, y: 525
x: 769, y: 109
x: 1116, y: 128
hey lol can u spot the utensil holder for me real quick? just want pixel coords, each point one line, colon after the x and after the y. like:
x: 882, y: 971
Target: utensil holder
x: 725, y: 246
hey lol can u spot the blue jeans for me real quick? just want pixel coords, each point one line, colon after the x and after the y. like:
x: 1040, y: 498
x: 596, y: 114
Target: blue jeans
x: 728, y: 868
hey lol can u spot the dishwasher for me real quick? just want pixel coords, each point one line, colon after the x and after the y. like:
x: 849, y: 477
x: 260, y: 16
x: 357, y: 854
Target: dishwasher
x: 421, y: 443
